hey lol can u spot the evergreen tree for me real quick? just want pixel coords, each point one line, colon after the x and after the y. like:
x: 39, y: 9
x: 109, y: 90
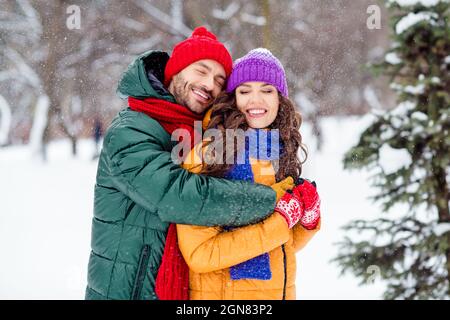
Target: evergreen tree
x: 410, y: 242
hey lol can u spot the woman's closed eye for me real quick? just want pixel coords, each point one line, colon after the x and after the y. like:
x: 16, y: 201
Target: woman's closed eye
x: 264, y: 91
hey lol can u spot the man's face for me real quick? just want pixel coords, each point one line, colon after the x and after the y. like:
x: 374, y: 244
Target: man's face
x: 198, y: 84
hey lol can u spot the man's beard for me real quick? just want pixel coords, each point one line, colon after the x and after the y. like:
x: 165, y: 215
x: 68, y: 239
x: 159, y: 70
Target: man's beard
x: 181, y: 90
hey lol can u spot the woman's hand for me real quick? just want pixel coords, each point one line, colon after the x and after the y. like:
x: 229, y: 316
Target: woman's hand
x: 306, y: 192
x: 301, y: 205
x: 291, y: 208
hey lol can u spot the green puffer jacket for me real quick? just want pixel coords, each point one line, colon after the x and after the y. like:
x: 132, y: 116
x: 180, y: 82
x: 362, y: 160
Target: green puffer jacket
x: 139, y: 191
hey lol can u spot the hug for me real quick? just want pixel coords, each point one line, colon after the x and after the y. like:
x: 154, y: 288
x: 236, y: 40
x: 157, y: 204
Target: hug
x: 209, y: 227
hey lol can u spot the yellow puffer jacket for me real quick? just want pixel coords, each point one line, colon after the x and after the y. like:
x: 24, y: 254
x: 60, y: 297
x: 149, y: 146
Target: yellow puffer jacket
x: 210, y: 251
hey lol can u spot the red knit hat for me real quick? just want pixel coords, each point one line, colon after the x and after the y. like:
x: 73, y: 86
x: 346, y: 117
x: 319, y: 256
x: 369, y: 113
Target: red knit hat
x: 202, y: 44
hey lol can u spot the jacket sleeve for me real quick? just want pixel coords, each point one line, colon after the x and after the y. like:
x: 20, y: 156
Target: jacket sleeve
x: 302, y: 236
x: 141, y: 166
x: 210, y: 249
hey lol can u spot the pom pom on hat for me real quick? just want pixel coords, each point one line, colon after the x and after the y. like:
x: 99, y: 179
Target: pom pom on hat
x: 203, y: 32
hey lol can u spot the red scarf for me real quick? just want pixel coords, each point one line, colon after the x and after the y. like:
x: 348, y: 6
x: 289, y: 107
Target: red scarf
x: 172, y: 280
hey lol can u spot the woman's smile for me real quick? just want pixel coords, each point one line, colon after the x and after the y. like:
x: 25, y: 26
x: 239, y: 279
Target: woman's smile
x: 256, y: 112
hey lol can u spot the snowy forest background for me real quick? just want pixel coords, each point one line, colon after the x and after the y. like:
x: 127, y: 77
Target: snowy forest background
x: 349, y: 64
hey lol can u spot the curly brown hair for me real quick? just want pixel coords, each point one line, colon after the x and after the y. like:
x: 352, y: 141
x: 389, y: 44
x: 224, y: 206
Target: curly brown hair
x: 226, y: 115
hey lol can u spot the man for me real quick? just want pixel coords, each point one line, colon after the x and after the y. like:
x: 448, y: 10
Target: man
x: 139, y: 191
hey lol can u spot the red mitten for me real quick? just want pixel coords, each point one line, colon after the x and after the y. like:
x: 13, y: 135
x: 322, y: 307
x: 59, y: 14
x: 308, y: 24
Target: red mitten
x: 306, y: 192
x: 291, y: 208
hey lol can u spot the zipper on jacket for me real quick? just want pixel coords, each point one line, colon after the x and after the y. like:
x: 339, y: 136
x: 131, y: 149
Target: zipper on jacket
x: 142, y: 270
x: 285, y: 272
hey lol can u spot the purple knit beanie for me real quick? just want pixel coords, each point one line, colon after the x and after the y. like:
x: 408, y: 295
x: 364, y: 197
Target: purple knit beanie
x: 258, y: 65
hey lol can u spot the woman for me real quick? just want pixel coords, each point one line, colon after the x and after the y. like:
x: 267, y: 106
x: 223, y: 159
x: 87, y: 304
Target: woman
x: 256, y: 261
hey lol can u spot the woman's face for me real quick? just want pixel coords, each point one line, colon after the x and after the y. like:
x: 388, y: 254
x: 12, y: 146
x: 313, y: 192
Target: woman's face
x: 259, y: 102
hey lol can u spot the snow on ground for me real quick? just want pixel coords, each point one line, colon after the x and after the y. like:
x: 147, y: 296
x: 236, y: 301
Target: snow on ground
x: 46, y: 212
x: 343, y: 198
x: 45, y: 217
